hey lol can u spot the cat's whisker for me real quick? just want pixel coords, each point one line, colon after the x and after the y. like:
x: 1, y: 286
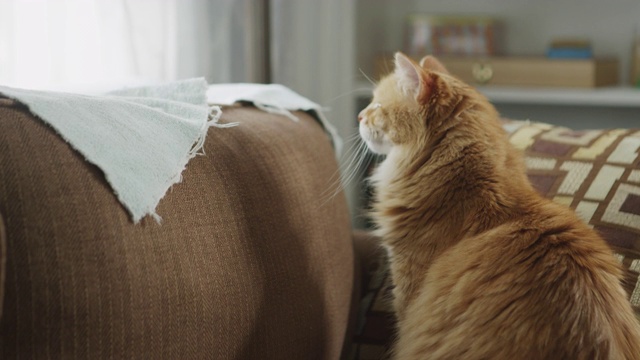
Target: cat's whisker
x: 352, y: 154
x: 348, y: 93
x: 367, y: 77
x: 355, y: 158
x: 354, y: 136
x: 353, y: 167
x: 360, y: 158
x: 341, y: 182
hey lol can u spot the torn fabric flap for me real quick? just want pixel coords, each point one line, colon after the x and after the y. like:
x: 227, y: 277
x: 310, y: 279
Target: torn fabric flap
x: 142, y: 138
x: 272, y: 98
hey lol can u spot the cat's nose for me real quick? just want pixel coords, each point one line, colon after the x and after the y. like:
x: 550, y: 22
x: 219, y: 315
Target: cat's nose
x: 361, y: 116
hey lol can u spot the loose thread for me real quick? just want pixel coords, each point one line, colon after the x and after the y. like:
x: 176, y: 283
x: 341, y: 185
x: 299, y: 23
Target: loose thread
x: 214, y: 116
x: 276, y: 110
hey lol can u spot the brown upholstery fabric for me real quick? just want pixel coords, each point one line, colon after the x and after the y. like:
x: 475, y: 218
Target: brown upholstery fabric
x: 246, y: 264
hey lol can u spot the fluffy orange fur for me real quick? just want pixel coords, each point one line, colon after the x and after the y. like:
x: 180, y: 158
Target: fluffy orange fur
x: 483, y: 266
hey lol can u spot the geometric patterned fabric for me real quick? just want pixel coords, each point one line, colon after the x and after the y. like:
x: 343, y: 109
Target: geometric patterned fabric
x: 594, y: 172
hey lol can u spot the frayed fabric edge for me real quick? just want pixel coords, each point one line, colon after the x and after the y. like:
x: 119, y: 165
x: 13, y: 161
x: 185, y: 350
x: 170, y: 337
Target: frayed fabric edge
x: 213, y: 118
x: 215, y: 113
x: 276, y: 110
x: 329, y: 128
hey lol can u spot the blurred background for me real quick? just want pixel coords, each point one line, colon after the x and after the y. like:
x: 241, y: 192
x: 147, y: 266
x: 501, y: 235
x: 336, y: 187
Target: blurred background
x: 545, y: 60
x: 567, y: 62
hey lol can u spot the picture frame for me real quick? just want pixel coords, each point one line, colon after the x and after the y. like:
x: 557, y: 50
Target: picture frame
x: 452, y: 35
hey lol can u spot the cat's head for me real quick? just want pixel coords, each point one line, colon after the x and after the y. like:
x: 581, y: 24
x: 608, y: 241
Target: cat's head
x: 410, y: 104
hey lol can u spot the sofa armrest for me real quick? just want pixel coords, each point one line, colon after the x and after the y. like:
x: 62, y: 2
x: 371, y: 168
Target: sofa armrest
x: 244, y: 265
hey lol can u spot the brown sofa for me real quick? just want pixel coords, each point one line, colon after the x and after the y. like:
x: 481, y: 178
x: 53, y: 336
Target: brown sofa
x: 246, y: 264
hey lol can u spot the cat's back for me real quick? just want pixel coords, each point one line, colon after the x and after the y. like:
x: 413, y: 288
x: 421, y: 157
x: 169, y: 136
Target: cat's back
x: 543, y: 286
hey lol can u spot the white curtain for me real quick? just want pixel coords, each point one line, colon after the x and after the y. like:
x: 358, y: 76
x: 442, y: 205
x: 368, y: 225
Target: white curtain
x: 94, y: 44
x: 313, y: 53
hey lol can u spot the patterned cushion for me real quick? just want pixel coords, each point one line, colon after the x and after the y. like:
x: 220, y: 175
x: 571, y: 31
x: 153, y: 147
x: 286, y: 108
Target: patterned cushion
x: 595, y: 172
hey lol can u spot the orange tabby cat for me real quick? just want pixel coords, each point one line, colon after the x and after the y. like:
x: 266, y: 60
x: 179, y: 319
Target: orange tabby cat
x: 483, y: 266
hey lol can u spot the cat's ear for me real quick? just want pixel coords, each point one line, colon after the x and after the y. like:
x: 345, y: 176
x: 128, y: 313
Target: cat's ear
x: 431, y: 63
x: 412, y: 80
x: 407, y: 74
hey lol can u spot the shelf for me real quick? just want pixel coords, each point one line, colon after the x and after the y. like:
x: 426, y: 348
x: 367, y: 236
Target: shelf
x: 607, y: 97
